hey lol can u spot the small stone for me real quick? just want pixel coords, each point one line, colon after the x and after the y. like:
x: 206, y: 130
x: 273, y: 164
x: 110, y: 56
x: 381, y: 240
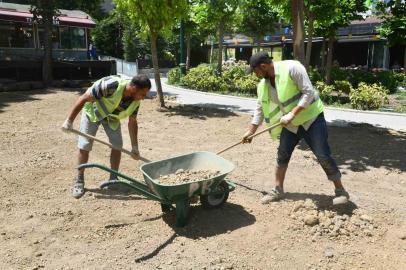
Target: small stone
x: 179, y: 171
x: 39, y: 254
x: 329, y: 252
x: 366, y: 218
x: 230, y: 266
x: 403, y: 237
x: 311, y: 220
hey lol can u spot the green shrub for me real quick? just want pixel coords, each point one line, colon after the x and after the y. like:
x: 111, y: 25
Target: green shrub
x: 173, y: 76
x: 202, y: 78
x: 368, y: 96
x: 247, y: 84
x: 233, y: 78
x: 343, y: 87
x: 315, y: 76
x: 324, y: 92
x: 356, y: 75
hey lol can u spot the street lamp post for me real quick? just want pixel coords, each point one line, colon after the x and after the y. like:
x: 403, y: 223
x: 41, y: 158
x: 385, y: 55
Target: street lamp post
x: 182, y: 51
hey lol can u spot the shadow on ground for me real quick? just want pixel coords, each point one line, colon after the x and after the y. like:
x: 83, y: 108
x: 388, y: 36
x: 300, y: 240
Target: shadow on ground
x: 360, y: 146
x: 106, y: 194
x: 8, y: 98
x: 204, y: 223
x: 196, y: 112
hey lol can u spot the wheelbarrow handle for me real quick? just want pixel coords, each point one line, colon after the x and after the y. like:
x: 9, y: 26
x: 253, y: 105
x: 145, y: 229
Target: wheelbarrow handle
x: 250, y: 137
x: 90, y: 137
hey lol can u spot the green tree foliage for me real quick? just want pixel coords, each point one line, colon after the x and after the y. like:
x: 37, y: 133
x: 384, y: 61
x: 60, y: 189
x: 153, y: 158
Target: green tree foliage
x: 108, y: 35
x: 219, y: 14
x: 258, y: 18
x: 393, y: 26
x: 155, y: 17
x: 342, y: 15
x: 316, y: 14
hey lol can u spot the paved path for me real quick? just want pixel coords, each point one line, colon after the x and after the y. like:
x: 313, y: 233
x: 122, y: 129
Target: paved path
x: 339, y: 117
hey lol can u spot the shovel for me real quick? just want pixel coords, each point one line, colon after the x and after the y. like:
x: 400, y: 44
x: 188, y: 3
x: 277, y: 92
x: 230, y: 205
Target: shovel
x: 250, y: 137
x: 90, y: 137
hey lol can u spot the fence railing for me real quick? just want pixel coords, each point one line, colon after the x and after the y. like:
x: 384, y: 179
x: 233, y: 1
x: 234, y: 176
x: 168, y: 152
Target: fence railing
x: 147, y: 63
x: 124, y: 67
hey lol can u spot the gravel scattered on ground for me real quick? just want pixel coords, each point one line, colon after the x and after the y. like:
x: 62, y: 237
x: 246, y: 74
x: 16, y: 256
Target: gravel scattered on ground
x: 183, y: 176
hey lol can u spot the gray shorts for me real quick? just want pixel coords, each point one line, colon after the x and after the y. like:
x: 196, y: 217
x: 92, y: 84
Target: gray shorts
x: 88, y: 127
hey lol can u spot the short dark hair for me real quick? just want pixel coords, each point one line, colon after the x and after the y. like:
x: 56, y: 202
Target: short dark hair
x: 141, y: 81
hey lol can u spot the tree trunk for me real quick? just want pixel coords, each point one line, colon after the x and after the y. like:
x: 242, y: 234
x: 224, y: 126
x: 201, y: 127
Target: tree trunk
x: 298, y: 31
x: 259, y: 41
x: 404, y: 63
x: 221, y: 34
x: 330, y: 56
x: 155, y: 64
x: 309, y: 42
x: 323, y: 53
x: 188, y: 51
x: 47, y: 65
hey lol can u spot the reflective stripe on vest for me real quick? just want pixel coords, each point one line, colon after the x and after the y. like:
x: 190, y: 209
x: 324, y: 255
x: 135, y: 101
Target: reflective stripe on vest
x: 104, y: 108
x: 291, y: 95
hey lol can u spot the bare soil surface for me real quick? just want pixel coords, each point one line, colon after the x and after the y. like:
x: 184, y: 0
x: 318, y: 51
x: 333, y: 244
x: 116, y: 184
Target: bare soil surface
x: 183, y: 176
x: 43, y: 227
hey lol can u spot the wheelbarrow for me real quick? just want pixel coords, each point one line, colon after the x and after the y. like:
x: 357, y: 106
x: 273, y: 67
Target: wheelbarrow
x: 213, y: 191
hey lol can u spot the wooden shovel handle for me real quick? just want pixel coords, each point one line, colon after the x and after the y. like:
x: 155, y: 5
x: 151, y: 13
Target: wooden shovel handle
x: 250, y: 137
x: 90, y: 137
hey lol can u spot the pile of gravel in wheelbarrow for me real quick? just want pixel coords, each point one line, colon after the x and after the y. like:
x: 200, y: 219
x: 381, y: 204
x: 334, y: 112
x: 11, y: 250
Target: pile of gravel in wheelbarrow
x: 183, y: 176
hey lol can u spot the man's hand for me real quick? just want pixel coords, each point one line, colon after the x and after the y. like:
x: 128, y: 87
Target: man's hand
x: 286, y: 119
x: 245, y: 136
x: 67, y: 125
x: 135, y: 151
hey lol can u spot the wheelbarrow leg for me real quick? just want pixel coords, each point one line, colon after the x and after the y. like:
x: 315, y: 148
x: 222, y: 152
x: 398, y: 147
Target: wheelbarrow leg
x: 182, y: 212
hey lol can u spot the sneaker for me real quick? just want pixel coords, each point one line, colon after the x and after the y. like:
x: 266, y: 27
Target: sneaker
x: 78, y: 190
x: 276, y: 194
x: 118, y: 187
x: 341, y: 197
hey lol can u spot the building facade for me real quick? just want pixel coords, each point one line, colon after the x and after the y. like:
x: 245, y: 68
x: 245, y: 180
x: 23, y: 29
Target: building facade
x: 21, y: 38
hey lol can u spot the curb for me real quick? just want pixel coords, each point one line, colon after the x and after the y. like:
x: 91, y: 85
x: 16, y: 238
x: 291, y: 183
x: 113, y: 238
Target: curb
x: 327, y: 108
x: 206, y: 93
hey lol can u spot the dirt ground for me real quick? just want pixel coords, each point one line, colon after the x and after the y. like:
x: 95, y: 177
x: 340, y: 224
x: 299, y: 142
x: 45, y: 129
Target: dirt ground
x: 43, y: 227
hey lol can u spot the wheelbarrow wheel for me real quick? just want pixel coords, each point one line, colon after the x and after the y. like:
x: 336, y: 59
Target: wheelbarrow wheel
x: 215, y: 201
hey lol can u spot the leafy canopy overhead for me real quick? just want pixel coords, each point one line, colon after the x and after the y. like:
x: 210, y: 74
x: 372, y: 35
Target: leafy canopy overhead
x: 394, y: 25
x: 156, y: 17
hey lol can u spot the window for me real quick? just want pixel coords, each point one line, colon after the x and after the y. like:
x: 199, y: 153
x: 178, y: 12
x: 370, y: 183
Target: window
x: 16, y: 35
x: 55, y: 37
x: 72, y: 38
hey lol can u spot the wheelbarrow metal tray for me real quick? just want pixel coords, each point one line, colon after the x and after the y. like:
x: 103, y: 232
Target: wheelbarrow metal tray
x: 194, y: 161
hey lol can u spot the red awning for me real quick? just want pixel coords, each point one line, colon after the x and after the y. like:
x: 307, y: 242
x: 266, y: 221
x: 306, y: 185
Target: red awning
x: 62, y: 21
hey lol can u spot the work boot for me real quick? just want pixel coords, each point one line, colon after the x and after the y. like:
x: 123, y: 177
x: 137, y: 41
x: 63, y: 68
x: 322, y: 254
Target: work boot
x: 276, y: 194
x: 341, y: 197
x: 78, y: 189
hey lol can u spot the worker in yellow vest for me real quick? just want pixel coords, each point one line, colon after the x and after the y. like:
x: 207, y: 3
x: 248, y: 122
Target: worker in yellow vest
x: 106, y: 102
x: 286, y: 95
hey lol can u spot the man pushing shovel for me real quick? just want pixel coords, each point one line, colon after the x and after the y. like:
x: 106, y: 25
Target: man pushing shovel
x: 107, y: 102
x: 286, y: 95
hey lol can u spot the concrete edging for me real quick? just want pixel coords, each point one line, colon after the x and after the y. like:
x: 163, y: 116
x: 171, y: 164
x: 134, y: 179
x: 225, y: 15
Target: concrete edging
x: 327, y: 108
